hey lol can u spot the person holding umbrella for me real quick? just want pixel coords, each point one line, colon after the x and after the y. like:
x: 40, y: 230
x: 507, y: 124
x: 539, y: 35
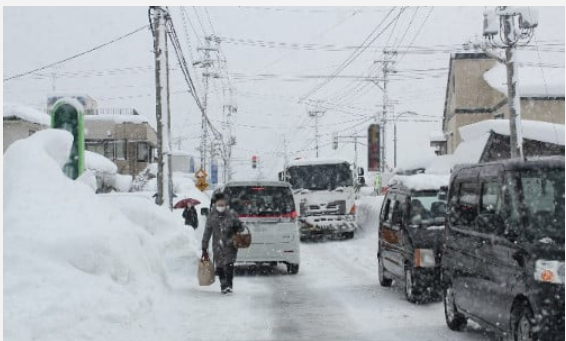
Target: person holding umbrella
x: 189, y: 213
x: 222, y: 224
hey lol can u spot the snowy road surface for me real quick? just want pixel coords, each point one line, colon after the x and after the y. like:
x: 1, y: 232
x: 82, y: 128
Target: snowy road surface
x: 335, y: 296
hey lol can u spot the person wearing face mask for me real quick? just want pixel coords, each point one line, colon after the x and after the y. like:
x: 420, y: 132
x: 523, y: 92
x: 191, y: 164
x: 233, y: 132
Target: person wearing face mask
x: 222, y: 224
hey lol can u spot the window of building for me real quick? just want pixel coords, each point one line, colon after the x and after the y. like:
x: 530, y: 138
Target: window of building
x: 95, y: 147
x: 143, y: 152
x: 120, y: 149
x: 109, y: 150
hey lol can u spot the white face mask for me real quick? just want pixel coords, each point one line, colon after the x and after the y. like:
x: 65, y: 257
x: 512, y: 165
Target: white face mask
x: 221, y: 208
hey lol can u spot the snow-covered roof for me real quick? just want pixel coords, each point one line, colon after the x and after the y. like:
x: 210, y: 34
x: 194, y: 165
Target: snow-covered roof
x: 420, y: 182
x: 308, y: 162
x: 470, y: 150
x: 26, y: 113
x: 98, y: 162
x: 118, y: 119
x: 533, y: 81
x: 532, y: 130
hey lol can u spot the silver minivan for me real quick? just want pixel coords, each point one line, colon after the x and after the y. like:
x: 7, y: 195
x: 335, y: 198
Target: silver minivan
x: 268, y: 209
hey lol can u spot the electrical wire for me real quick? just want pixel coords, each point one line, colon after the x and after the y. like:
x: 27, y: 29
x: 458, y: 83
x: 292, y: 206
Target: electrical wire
x: 98, y: 47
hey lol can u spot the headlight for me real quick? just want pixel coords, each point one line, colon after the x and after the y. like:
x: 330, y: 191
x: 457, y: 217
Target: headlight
x: 549, y: 271
x: 424, y: 258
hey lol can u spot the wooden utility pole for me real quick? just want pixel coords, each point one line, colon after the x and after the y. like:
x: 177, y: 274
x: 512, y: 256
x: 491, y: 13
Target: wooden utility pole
x: 164, y: 185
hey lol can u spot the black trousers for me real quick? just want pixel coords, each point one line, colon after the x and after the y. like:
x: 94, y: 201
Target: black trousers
x: 226, y: 276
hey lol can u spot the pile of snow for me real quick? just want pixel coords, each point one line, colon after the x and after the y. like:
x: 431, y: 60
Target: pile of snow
x: 106, y: 172
x: 117, y: 119
x: 421, y: 182
x: 97, y: 162
x: 26, y: 113
x: 367, y: 212
x: 531, y: 130
x: 533, y: 81
x: 75, y: 265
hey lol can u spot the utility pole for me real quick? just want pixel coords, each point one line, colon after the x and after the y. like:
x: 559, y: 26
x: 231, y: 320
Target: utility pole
x: 316, y: 114
x: 518, y: 24
x: 169, y: 183
x: 158, y: 17
x: 386, y: 67
x: 514, y: 100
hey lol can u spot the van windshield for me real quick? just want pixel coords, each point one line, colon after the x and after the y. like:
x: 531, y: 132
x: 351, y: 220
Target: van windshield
x: 260, y: 200
x: 542, y: 194
x: 427, y: 204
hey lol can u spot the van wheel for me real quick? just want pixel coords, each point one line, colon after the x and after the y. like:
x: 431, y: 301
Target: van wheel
x: 383, y: 281
x: 293, y: 269
x: 410, y: 291
x: 455, y: 320
x: 524, y: 325
x: 348, y: 235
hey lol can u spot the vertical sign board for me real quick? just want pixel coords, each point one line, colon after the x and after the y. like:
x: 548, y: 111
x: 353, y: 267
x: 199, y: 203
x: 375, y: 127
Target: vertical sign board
x: 66, y: 116
x: 373, y: 148
x: 214, y: 171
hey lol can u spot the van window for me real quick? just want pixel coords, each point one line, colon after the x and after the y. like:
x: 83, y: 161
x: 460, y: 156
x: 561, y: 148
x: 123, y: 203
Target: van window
x: 542, y: 195
x: 397, y: 213
x: 386, y: 208
x: 260, y: 200
x: 490, y: 198
x: 466, y: 208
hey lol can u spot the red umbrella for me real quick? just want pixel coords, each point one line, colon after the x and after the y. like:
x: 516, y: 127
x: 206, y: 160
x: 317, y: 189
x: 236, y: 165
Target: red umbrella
x: 186, y: 202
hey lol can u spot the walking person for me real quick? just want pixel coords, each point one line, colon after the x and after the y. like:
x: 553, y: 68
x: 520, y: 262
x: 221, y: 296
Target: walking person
x: 191, y: 216
x: 222, y: 224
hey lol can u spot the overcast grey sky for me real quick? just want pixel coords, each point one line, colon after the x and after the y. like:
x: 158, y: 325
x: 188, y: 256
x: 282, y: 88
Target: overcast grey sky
x: 269, y: 78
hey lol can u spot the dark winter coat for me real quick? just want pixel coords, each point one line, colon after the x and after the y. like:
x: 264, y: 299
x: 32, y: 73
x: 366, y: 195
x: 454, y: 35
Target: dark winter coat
x: 191, y: 216
x: 222, y: 227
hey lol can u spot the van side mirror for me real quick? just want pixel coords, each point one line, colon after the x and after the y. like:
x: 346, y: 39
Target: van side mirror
x: 280, y: 176
x: 204, y: 211
x: 360, y: 171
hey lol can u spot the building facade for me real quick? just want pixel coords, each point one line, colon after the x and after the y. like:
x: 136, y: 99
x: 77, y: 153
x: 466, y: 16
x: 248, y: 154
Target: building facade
x: 470, y: 98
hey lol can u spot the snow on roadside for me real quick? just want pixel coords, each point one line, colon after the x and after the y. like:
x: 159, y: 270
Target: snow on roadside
x: 75, y: 265
x: 367, y: 211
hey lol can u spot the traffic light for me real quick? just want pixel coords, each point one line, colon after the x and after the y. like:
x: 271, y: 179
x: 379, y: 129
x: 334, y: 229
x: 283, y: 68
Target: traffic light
x: 254, y: 162
x: 334, y: 141
x: 66, y: 116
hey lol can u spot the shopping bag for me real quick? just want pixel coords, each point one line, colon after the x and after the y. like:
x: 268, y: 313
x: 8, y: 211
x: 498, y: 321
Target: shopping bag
x: 205, y: 272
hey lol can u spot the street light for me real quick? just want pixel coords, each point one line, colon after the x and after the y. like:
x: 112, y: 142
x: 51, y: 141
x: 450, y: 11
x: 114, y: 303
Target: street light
x: 395, y: 118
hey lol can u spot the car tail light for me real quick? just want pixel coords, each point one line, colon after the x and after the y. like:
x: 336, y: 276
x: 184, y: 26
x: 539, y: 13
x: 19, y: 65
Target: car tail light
x: 424, y: 258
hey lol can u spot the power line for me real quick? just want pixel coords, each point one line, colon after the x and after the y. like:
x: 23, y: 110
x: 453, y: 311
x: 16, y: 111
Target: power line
x: 365, y: 44
x: 78, y: 54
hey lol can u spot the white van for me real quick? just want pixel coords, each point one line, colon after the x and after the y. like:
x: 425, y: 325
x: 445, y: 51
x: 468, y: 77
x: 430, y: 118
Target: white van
x: 267, y: 208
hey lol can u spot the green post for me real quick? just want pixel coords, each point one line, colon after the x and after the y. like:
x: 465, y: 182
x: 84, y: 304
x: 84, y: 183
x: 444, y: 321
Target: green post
x: 64, y: 115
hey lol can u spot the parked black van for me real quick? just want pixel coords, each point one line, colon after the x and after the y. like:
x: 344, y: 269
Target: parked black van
x: 503, y: 261
x: 411, y: 232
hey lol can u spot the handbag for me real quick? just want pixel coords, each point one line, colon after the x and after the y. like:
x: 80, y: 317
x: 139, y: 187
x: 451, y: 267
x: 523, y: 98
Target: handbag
x: 242, y: 240
x: 205, y: 272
